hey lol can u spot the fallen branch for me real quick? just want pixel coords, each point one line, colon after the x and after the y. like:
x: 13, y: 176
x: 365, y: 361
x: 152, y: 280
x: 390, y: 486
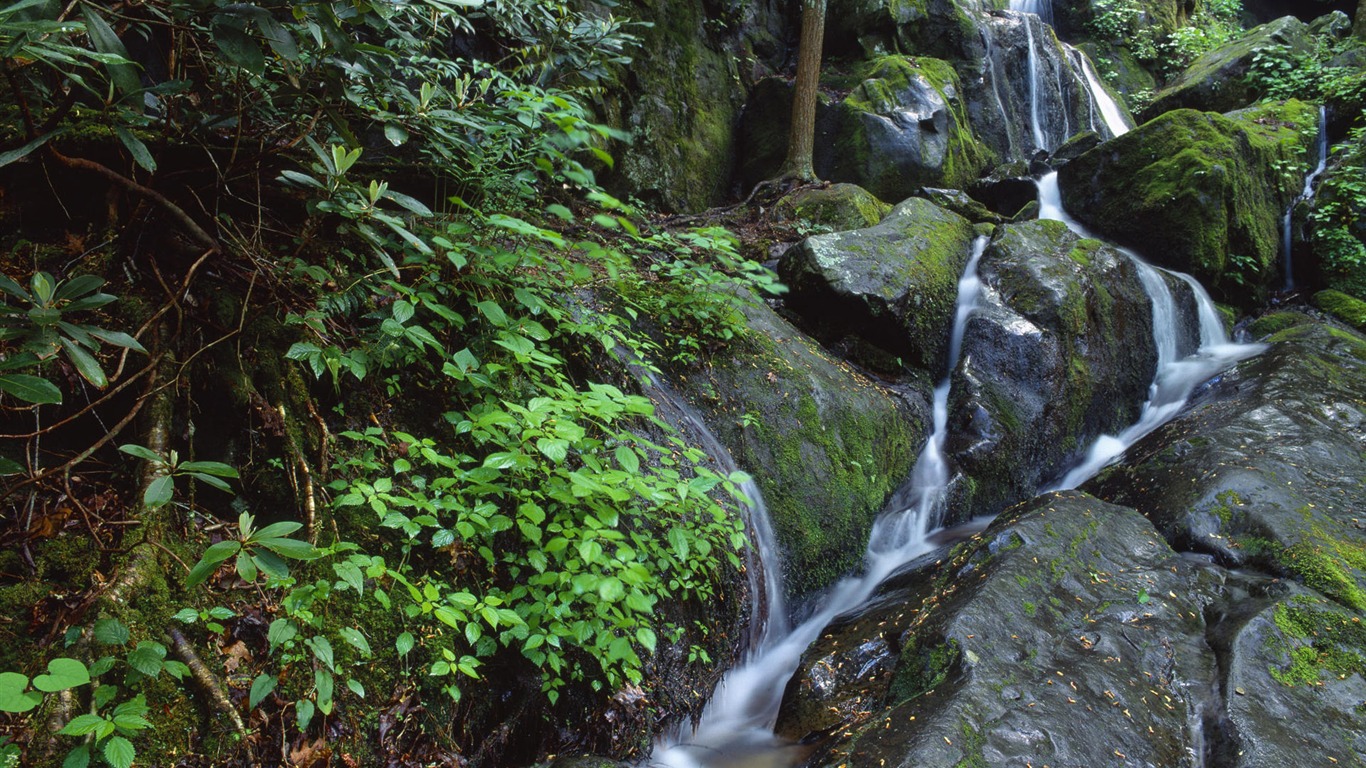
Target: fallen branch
x: 212, y: 689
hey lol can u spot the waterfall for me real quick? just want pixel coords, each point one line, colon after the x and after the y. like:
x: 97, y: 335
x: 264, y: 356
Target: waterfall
x: 1034, y: 89
x: 1176, y: 376
x: 1287, y: 246
x: 740, y: 716
x: 769, y: 616
x: 994, y: 75
x: 1041, y: 8
x: 1109, y: 110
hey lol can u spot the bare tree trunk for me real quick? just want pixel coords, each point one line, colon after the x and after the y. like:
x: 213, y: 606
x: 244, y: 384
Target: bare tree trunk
x: 801, y: 138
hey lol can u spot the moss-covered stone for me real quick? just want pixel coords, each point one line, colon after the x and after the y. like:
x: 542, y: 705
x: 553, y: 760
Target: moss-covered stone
x: 1266, y: 325
x: 1060, y: 352
x: 838, y: 207
x: 1217, y: 81
x: 826, y: 445
x: 893, y: 285
x: 1348, y: 309
x: 901, y: 125
x: 1198, y: 192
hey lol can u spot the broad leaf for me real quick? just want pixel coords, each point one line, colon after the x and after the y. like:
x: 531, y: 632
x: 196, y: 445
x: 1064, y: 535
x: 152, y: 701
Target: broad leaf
x: 141, y: 155
x: 85, y: 363
x: 30, y: 389
x: 62, y: 673
x: 14, y: 693
x: 158, y: 492
x: 261, y: 687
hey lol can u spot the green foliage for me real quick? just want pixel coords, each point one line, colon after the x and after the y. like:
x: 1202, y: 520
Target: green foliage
x: 104, y: 731
x: 1166, y: 44
x: 41, y: 326
x: 1327, y: 73
x: 167, y: 468
x: 254, y: 551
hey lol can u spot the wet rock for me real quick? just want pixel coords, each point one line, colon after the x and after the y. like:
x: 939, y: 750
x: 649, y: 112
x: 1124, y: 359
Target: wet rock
x: 893, y: 285
x: 1348, y: 309
x: 1059, y: 352
x: 962, y: 204
x: 1266, y: 468
x: 1217, y: 81
x: 901, y: 125
x: 1065, y: 634
x: 826, y: 445
x: 1198, y: 192
x: 837, y: 206
x: 1006, y: 195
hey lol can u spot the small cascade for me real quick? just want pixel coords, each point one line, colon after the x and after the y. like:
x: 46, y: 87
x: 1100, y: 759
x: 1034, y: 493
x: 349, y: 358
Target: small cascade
x: 739, y: 718
x: 769, y: 617
x: 1035, y: 90
x: 993, y: 76
x: 1041, y: 8
x: 1176, y: 376
x: 1110, y: 112
x: 1307, y: 194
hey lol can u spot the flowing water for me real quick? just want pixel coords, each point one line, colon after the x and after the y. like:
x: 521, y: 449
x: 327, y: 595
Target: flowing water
x: 1035, y: 90
x: 1177, y: 375
x: 1100, y: 98
x: 738, y: 721
x: 1041, y: 8
x: 1287, y: 246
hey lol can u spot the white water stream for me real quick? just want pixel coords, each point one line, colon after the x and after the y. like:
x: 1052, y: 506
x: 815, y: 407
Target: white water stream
x: 1041, y: 8
x: 738, y: 721
x: 1035, y: 87
x: 1287, y: 246
x: 1177, y: 376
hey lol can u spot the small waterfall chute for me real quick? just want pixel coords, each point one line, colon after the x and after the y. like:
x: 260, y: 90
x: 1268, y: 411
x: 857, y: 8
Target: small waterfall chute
x: 1307, y: 194
x: 1176, y: 375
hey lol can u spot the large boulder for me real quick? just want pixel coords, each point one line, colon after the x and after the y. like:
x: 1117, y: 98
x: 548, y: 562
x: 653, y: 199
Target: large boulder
x: 945, y: 29
x: 837, y: 206
x: 1267, y: 468
x: 1068, y: 634
x: 826, y: 445
x: 1059, y: 352
x: 1218, y: 80
x: 893, y: 285
x: 1198, y: 192
x: 901, y: 124
x: 679, y: 103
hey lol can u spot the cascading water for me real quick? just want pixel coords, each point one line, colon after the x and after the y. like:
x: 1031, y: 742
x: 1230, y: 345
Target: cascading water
x: 1100, y: 98
x: 1041, y: 8
x: 1035, y: 90
x: 1177, y: 376
x: 739, y: 719
x: 765, y: 583
x: 1287, y: 246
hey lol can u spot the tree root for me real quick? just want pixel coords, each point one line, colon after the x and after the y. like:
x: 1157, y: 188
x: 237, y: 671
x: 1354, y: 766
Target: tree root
x: 212, y: 689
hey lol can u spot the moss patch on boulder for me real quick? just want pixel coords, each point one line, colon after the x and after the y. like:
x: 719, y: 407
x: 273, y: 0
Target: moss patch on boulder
x: 1199, y: 192
x: 838, y: 207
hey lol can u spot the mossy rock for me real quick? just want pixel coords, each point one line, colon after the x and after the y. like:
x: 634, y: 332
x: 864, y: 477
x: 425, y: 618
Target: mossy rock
x: 1059, y: 352
x: 1346, y: 308
x: 838, y: 207
x: 1266, y: 470
x: 903, y: 124
x: 1274, y: 323
x: 1037, y: 641
x: 826, y: 445
x: 893, y: 285
x: 1217, y: 81
x: 1199, y: 192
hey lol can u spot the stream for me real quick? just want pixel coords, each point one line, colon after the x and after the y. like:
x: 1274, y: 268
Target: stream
x: 736, y: 727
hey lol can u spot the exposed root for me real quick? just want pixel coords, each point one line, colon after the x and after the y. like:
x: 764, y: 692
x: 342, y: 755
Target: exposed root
x: 212, y: 689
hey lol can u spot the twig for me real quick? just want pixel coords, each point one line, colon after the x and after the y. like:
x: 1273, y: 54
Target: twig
x: 151, y: 194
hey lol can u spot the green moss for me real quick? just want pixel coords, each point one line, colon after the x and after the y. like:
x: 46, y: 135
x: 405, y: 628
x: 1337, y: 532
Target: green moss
x: 973, y: 743
x: 1317, y: 641
x: 1224, y: 509
x: 1348, y: 309
x: 1267, y: 325
x: 1329, y: 565
x: 922, y: 669
x: 1030, y: 609
x: 839, y: 206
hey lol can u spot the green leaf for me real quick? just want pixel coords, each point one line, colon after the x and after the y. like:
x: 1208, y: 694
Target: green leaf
x: 147, y: 658
x: 356, y: 639
x: 303, y: 713
x: 159, y: 492
x: 209, y: 563
x: 30, y: 389
x: 646, y: 637
x: 395, y: 133
x: 351, y: 575
x: 493, y: 312
x: 119, y: 752
x: 356, y: 687
x: 62, y: 673
x: 238, y: 47
x: 323, y: 683
x: 124, y: 75
x: 611, y: 589
x: 280, y: 632
x: 142, y: 453
x: 78, y: 757
x: 627, y: 458
x: 14, y: 693
x: 141, y: 155
x: 27, y: 149
x: 86, y: 364
x: 80, y: 725
x: 322, y: 650
x: 261, y: 687
x: 77, y: 286
x: 111, y: 632
x: 403, y: 644
x: 276, y: 530
x: 186, y: 615
x: 217, y: 469
x: 291, y: 548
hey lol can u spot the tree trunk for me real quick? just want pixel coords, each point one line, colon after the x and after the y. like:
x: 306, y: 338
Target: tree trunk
x: 1359, y: 27
x: 801, y: 138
